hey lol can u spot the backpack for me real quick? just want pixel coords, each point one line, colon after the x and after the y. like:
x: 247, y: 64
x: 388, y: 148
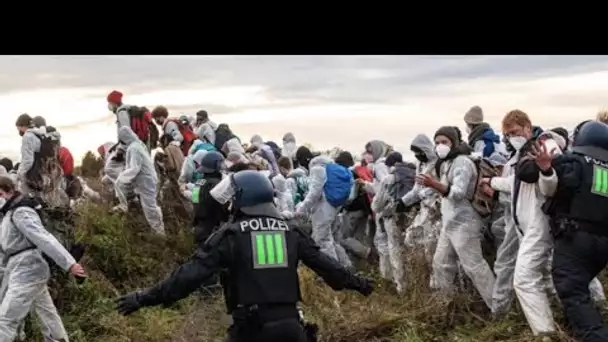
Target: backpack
x: 405, y: 177
x: 338, y: 185
x: 45, y: 162
x: 141, y: 124
x: 186, y: 132
x: 222, y: 135
x: 301, y: 189
x: 483, y: 204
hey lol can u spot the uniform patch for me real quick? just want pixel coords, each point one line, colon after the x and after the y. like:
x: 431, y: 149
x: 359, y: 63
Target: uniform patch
x: 600, y: 181
x: 269, y: 249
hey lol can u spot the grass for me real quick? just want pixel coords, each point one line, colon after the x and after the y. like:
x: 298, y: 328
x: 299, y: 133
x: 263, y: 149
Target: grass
x: 124, y: 256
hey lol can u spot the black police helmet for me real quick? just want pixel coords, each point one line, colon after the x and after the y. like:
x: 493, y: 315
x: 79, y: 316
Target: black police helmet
x: 253, y: 194
x: 592, y: 139
x: 211, y: 162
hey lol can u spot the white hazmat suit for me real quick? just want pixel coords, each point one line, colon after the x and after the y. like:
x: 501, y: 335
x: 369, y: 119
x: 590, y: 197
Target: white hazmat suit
x: 139, y: 175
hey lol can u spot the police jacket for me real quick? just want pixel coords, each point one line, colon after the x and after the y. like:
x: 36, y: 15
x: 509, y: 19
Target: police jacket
x: 259, y: 256
x: 208, y: 211
x: 581, y: 192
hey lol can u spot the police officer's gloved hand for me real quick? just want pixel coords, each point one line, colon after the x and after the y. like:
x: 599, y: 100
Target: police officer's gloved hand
x: 365, y: 286
x: 400, y: 208
x: 130, y: 303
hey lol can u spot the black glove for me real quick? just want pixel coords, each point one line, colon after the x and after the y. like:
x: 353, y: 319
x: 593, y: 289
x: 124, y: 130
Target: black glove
x: 400, y: 208
x: 128, y: 303
x: 366, y: 286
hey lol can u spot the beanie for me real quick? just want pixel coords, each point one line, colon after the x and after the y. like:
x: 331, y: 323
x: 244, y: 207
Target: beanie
x: 115, y: 97
x: 450, y: 133
x: 474, y: 116
x: 345, y: 159
x: 393, y: 158
x: 39, y: 121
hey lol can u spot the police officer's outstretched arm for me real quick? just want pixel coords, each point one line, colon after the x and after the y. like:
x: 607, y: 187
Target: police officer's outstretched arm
x: 184, y: 280
x: 334, y: 274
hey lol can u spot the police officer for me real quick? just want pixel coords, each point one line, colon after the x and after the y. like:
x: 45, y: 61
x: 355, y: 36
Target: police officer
x: 260, y: 252
x: 579, y: 223
x: 209, y: 214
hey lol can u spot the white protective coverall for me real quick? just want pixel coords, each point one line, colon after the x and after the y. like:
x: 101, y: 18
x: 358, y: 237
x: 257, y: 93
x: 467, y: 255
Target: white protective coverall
x: 284, y: 199
x: 289, y: 146
x: 426, y: 226
x: 24, y: 285
x: 171, y: 129
x: 383, y: 206
x: 233, y: 145
x: 461, y: 234
x: 322, y: 214
x: 379, y: 150
x: 265, y: 152
x: 187, y: 176
x: 30, y: 145
x: 140, y: 176
x: 206, y: 131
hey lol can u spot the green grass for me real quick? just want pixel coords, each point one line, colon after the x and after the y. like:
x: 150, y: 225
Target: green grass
x: 124, y: 256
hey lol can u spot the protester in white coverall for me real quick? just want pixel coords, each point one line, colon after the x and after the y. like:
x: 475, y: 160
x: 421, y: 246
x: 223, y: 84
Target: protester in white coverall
x: 23, y: 241
x: 378, y: 150
x: 265, y: 152
x: 425, y: 227
x: 140, y: 177
x: 528, y: 195
x: 205, y: 128
x: 461, y: 234
x: 188, y: 175
x: 31, y: 143
x: 170, y: 128
x: 322, y: 214
x: 284, y: 200
x: 111, y: 169
x: 384, y: 206
x: 289, y: 146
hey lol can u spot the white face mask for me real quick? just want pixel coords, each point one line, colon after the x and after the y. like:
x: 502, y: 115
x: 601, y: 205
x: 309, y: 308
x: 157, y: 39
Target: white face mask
x: 442, y: 150
x: 111, y: 107
x: 468, y: 129
x: 517, y: 142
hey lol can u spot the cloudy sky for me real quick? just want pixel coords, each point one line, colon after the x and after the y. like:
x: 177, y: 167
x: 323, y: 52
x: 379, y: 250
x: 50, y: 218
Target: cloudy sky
x: 324, y: 100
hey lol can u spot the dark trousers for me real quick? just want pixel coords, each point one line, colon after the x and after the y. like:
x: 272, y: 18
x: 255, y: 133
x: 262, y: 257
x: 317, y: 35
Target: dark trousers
x: 277, y: 331
x: 577, y: 259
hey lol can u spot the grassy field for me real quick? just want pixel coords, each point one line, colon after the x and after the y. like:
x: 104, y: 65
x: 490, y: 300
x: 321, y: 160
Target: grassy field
x: 123, y: 256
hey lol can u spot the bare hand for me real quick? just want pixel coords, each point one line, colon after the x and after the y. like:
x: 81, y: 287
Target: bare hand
x: 78, y: 271
x: 426, y: 180
x: 487, y: 190
x: 542, y: 157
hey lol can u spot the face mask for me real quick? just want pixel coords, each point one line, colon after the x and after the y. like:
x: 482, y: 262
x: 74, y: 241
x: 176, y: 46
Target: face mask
x: 468, y: 129
x: 21, y: 133
x: 111, y: 107
x: 517, y: 142
x: 442, y: 151
x: 422, y: 158
x: 391, y: 169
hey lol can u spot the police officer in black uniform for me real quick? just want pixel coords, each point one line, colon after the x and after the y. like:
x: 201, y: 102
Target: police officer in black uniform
x: 260, y: 253
x: 579, y: 223
x: 209, y: 214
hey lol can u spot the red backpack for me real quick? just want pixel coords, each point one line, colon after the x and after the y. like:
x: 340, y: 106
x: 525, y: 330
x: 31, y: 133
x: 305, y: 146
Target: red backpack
x: 141, y: 120
x: 186, y: 132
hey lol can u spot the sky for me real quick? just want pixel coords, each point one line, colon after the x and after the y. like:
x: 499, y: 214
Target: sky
x: 326, y: 101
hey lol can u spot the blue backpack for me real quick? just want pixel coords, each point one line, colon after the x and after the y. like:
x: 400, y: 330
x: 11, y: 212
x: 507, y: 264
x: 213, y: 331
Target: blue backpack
x: 338, y: 185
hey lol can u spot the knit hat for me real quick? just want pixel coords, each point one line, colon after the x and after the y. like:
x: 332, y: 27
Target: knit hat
x: 202, y: 115
x: 450, y: 133
x: 39, y: 121
x: 115, y: 97
x: 474, y: 116
x: 393, y: 158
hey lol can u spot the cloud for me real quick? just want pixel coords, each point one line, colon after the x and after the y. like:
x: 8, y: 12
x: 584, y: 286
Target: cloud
x: 328, y: 100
